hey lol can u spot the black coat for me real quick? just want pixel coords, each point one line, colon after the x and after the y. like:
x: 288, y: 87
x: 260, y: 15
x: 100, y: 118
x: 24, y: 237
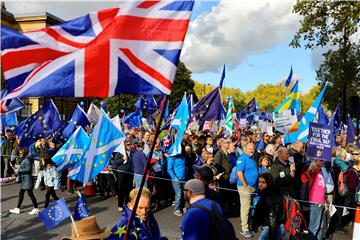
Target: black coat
x: 270, y: 211
x: 119, y: 162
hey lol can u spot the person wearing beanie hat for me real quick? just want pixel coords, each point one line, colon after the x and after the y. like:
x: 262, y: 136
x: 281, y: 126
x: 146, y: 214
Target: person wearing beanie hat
x: 196, y: 221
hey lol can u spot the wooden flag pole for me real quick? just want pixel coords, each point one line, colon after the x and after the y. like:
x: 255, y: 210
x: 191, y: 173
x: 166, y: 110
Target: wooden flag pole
x: 75, y: 228
x: 157, y: 132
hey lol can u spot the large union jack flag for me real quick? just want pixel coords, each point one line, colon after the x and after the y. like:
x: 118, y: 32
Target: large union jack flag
x: 134, y: 48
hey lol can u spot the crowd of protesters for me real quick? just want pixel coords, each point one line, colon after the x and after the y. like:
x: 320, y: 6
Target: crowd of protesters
x: 234, y: 170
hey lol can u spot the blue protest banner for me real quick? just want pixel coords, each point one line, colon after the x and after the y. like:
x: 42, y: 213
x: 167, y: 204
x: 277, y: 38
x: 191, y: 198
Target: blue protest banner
x: 319, y: 141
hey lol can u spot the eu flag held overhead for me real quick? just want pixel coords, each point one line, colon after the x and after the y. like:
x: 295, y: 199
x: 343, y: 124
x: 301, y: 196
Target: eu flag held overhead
x: 39, y: 125
x: 78, y: 118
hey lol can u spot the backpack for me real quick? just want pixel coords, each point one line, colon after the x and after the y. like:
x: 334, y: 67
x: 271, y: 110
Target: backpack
x: 233, y: 176
x: 294, y: 218
x: 220, y: 227
x: 342, y: 186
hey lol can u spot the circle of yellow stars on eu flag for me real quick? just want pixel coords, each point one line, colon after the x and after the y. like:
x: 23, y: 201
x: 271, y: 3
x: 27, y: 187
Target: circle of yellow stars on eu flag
x: 33, y: 126
x: 55, y: 209
x: 81, y: 213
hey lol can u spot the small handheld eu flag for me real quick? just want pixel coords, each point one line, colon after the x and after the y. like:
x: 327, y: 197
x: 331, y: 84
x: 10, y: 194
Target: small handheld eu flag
x: 81, y: 210
x: 55, y: 214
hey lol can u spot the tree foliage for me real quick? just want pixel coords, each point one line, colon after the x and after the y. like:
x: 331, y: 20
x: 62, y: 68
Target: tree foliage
x: 182, y: 83
x: 332, y: 24
x: 332, y: 70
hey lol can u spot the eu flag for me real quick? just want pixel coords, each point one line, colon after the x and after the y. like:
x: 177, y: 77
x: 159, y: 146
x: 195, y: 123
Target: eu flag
x: 322, y: 116
x: 134, y: 119
x: 250, y: 108
x: 78, y: 118
x: 289, y: 78
x: 146, y: 103
x: 81, y: 210
x: 210, y: 108
x: 222, y: 78
x: 351, y: 134
x: 55, y: 214
x: 39, y: 125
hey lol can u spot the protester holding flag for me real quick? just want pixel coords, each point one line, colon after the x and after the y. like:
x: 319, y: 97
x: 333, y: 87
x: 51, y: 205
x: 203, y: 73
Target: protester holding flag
x: 144, y: 225
x: 26, y: 182
x: 176, y: 167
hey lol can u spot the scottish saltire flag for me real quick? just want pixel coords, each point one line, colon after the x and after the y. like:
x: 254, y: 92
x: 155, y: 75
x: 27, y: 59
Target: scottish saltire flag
x: 104, y: 139
x: 229, y: 120
x: 249, y: 109
x: 222, y: 78
x: 78, y: 118
x: 93, y: 113
x: 80, y: 210
x: 289, y: 78
x: 146, y: 103
x: 210, y: 108
x: 303, y: 132
x: 41, y: 124
x: 180, y: 122
x: 351, y: 136
x: 134, y: 119
x: 292, y: 101
x: 70, y: 153
x: 322, y: 116
x: 10, y: 105
x: 137, y: 44
x: 54, y: 214
x: 8, y: 120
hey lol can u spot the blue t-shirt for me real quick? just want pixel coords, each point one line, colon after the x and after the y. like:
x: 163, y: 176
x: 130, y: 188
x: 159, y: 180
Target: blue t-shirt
x: 248, y: 166
x: 196, y: 222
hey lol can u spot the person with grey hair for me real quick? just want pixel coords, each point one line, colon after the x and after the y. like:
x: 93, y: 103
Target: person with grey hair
x: 283, y: 172
x: 269, y: 152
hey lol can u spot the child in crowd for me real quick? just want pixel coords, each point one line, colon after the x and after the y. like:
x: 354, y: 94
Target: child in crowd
x: 51, y: 180
x: 264, y: 164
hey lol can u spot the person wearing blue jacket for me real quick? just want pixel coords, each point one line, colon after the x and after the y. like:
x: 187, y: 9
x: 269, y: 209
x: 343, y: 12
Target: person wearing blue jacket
x: 177, y: 170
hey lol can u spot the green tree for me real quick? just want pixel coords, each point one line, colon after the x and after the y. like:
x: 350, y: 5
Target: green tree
x: 332, y: 24
x: 182, y: 83
x: 332, y: 70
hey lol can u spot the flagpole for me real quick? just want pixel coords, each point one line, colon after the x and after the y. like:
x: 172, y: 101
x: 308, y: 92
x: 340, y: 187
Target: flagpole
x: 75, y: 228
x: 157, y: 132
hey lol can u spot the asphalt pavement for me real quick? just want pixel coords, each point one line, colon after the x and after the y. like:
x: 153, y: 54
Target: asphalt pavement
x: 25, y: 226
